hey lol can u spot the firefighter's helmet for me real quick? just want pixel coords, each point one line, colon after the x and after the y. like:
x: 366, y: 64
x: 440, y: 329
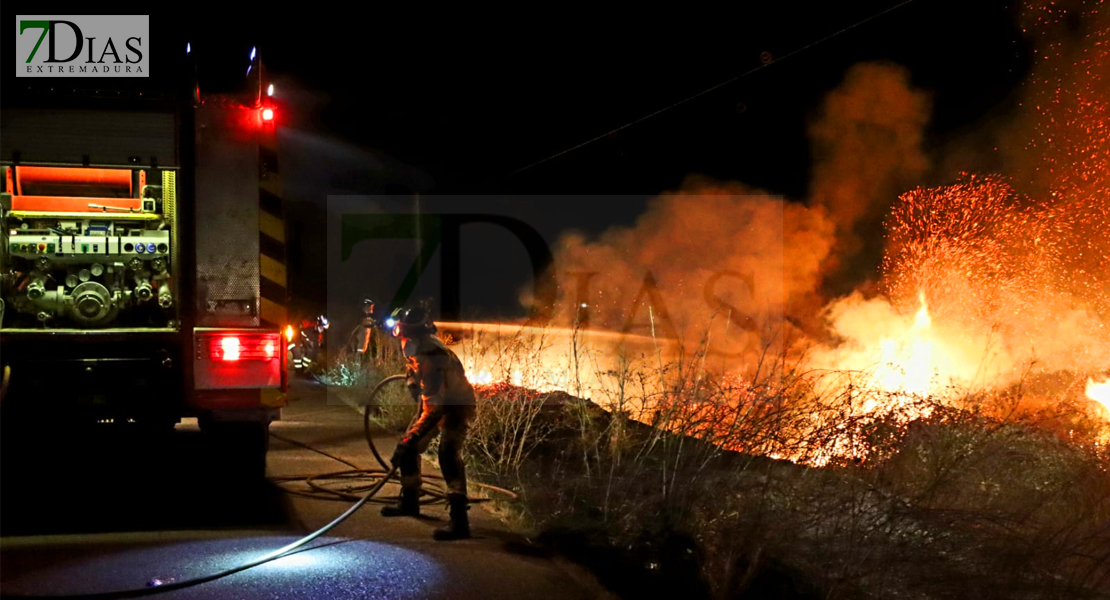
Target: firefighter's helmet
x: 414, y: 322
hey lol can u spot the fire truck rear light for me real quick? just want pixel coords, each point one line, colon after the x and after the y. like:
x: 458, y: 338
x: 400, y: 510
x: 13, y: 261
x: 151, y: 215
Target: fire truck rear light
x: 229, y: 349
x: 239, y: 359
x: 239, y: 346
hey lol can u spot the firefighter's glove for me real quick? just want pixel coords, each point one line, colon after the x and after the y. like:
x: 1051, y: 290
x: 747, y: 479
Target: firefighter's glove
x: 403, y: 449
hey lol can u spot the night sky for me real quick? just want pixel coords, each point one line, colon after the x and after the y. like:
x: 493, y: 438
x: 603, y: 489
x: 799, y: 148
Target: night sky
x: 396, y: 100
x: 468, y: 100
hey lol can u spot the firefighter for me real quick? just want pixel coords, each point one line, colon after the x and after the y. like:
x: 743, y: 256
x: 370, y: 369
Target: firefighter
x: 301, y: 359
x: 367, y: 347
x: 436, y: 379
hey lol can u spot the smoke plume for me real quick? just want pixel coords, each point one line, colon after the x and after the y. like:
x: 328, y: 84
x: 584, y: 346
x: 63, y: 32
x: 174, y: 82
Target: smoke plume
x: 980, y: 280
x: 867, y: 146
x: 723, y: 263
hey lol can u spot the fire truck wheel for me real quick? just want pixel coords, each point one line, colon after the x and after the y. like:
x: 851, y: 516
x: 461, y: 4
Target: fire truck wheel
x: 239, y: 448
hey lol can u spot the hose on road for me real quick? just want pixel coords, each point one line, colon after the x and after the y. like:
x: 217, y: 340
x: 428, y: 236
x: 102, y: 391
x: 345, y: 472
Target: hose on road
x: 319, y: 484
x: 378, y: 478
x: 155, y: 586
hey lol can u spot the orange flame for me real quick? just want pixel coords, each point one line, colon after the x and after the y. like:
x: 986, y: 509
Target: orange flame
x: 907, y: 362
x: 483, y: 377
x: 544, y: 359
x: 1099, y: 392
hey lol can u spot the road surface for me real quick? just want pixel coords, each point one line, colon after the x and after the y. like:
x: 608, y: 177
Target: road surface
x: 98, y: 513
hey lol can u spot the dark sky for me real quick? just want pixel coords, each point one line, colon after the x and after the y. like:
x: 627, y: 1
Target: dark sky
x: 395, y: 100
x: 466, y: 99
x: 470, y: 98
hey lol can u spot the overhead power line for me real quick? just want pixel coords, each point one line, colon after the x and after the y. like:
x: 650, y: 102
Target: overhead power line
x: 722, y: 84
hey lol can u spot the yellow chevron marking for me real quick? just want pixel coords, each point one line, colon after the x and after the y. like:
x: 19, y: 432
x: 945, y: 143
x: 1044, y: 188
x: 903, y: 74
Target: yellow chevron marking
x: 272, y: 270
x: 271, y: 226
x: 273, y: 312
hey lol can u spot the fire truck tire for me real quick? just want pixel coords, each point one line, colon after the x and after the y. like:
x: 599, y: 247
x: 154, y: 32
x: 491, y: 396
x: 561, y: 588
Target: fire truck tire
x: 239, y: 448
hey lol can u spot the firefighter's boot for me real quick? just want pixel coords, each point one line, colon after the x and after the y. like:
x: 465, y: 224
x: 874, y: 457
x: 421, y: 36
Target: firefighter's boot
x: 459, y: 527
x: 407, y: 506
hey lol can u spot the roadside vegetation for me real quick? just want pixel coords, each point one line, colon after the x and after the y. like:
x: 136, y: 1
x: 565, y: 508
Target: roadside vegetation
x: 352, y: 376
x: 665, y: 479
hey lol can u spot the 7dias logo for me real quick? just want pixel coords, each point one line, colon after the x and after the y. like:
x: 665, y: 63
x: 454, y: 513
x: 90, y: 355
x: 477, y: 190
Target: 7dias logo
x: 83, y: 46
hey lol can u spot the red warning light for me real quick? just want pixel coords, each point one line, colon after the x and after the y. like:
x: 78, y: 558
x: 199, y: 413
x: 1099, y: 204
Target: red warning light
x: 229, y: 348
x: 267, y: 114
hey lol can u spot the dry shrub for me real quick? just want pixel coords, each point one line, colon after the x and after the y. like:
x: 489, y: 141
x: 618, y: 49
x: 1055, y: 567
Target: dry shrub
x: 509, y: 425
x: 351, y: 378
x: 916, y: 498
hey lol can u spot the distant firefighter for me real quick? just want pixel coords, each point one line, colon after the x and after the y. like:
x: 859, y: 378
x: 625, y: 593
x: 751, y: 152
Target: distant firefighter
x: 369, y: 324
x: 369, y: 345
x: 309, y: 343
x: 436, y: 378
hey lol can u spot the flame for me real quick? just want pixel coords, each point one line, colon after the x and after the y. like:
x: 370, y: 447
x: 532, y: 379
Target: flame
x: 483, y: 377
x: 1099, y: 391
x: 907, y: 363
x: 545, y: 358
x: 922, y: 320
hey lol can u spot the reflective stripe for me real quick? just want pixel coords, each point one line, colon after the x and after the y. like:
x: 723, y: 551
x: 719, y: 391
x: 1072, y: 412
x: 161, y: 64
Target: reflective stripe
x: 272, y: 253
x: 272, y: 270
x: 273, y: 312
x: 271, y: 226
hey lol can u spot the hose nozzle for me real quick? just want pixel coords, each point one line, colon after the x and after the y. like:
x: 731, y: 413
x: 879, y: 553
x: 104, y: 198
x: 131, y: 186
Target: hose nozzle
x: 165, y: 297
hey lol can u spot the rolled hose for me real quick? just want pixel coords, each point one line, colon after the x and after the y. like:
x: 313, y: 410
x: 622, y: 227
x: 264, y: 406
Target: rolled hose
x: 366, y: 419
x: 276, y: 554
x: 381, y: 461
x: 434, y: 489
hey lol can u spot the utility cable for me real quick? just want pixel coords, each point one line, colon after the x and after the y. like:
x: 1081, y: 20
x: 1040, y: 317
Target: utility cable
x: 710, y: 89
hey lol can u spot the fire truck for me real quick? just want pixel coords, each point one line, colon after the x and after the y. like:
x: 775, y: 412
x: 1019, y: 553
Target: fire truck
x: 142, y: 276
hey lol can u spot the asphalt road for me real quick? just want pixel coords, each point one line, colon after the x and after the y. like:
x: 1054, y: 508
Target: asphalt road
x: 115, y: 510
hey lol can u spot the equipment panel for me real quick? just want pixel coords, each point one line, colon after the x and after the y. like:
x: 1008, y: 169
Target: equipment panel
x: 84, y: 266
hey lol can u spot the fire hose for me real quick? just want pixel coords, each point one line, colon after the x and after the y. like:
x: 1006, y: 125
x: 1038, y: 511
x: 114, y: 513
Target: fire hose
x: 382, y: 476
x: 434, y: 492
